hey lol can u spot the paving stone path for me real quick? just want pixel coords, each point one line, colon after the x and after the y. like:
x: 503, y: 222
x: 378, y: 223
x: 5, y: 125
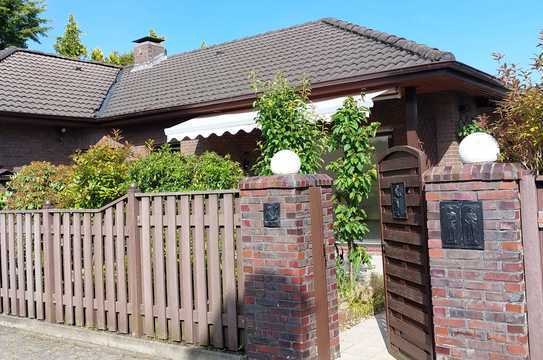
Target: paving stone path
x: 18, y: 344
x: 366, y: 341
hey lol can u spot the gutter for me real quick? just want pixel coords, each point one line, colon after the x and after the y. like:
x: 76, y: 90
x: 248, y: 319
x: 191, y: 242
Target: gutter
x: 488, y: 83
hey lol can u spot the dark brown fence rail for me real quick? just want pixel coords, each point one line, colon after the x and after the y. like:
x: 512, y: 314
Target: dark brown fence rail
x: 162, y: 265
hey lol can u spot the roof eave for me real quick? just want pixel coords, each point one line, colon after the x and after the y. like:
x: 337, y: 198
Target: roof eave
x: 489, y: 86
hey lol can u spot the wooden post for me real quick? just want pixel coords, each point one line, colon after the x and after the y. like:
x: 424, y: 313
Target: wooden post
x: 48, y: 264
x: 412, y: 117
x: 134, y: 262
x: 533, y: 266
x: 319, y: 270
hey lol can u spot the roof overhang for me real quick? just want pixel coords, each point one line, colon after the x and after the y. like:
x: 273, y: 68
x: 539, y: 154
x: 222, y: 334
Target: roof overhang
x: 430, y: 78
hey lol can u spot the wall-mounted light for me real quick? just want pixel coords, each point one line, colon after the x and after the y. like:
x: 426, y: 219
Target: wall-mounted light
x: 62, y: 132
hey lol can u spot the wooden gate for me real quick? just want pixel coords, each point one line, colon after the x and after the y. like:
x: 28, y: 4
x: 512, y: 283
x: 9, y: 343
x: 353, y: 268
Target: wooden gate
x: 405, y: 253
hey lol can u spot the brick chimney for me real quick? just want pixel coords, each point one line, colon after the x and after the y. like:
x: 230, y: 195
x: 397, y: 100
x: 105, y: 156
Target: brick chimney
x: 148, y: 49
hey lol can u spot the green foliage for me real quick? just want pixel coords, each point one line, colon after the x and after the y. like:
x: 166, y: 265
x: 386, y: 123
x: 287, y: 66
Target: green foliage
x: 469, y: 128
x: 99, y: 176
x: 153, y: 34
x: 97, y: 55
x: 519, y: 126
x: 20, y: 21
x: 354, y: 173
x: 214, y: 172
x: 37, y: 183
x: 69, y: 44
x: 360, y: 300
x: 4, y: 195
x: 166, y: 170
x: 287, y: 122
x: 117, y: 58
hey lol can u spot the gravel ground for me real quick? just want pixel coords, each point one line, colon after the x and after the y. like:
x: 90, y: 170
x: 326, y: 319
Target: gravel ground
x: 18, y: 344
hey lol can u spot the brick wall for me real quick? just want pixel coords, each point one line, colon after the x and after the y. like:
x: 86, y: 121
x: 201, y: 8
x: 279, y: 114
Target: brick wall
x: 479, y: 300
x: 279, y: 302
x: 23, y: 143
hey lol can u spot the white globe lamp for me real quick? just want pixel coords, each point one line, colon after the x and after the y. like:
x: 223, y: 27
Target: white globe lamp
x: 478, y: 147
x: 285, y: 162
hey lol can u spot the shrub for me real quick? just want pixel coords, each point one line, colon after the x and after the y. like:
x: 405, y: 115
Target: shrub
x: 37, y: 183
x: 162, y: 170
x: 99, y: 176
x: 287, y: 122
x: 166, y: 170
x: 478, y: 124
x: 519, y: 127
x: 214, y: 172
x: 4, y: 198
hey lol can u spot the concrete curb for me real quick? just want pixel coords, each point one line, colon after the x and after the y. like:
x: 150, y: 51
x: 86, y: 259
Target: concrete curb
x: 123, y: 342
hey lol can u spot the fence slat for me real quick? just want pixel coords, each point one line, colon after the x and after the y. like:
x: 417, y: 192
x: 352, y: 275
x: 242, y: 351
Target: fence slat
x: 21, y: 284
x: 78, y: 276
x: 99, y: 272
x: 186, y: 270
x: 87, y: 269
x: 134, y: 262
x: 121, y: 269
x: 48, y: 266
x: 110, y: 270
x: 229, y: 275
x: 11, y: 264
x: 159, y: 270
x: 38, y: 265
x: 172, y: 270
x: 29, y: 265
x: 201, y: 282
x: 57, y: 262
x: 4, y: 264
x: 214, y: 271
x: 67, y: 259
x: 148, y: 320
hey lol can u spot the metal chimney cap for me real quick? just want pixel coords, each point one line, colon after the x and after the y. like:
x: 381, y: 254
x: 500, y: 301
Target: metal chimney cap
x: 152, y: 39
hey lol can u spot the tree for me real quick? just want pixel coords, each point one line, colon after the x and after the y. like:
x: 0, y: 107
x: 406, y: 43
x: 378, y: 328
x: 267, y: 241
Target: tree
x: 20, y: 21
x: 287, y: 123
x: 69, y: 44
x: 355, y: 174
x: 120, y: 59
x: 97, y: 55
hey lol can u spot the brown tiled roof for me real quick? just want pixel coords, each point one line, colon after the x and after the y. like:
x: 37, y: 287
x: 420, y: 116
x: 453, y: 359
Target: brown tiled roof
x: 323, y: 50
x: 39, y: 83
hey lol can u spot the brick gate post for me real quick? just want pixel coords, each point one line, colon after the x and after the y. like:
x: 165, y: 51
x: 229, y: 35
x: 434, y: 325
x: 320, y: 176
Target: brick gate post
x: 279, y: 304
x: 478, y: 295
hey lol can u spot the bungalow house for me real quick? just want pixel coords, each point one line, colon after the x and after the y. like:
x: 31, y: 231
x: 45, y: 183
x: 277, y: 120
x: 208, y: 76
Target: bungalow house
x: 51, y: 105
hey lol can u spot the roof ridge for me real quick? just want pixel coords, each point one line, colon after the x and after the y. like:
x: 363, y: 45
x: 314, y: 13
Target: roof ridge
x: 11, y: 50
x: 425, y: 51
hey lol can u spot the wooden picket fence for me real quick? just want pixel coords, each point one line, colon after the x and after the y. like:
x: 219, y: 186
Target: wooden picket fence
x: 162, y: 265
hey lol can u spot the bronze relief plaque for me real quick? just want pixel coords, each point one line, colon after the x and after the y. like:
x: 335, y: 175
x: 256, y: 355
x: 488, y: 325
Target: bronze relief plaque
x: 462, y: 224
x: 397, y: 193
x: 272, y: 217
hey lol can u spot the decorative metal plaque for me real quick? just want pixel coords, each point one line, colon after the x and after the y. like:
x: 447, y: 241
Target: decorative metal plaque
x: 397, y: 192
x: 462, y: 224
x: 272, y: 217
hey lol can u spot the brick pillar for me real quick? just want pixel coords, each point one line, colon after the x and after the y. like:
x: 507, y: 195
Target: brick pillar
x: 279, y: 302
x: 479, y: 296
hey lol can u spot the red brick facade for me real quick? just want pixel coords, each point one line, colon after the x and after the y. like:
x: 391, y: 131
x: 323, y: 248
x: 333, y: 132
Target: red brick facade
x: 279, y: 302
x: 479, y: 297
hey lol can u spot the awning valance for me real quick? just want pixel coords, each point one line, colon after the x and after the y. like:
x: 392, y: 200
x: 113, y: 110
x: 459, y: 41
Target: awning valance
x: 235, y: 122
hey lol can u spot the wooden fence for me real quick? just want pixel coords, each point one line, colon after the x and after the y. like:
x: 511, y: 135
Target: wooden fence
x: 162, y: 265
